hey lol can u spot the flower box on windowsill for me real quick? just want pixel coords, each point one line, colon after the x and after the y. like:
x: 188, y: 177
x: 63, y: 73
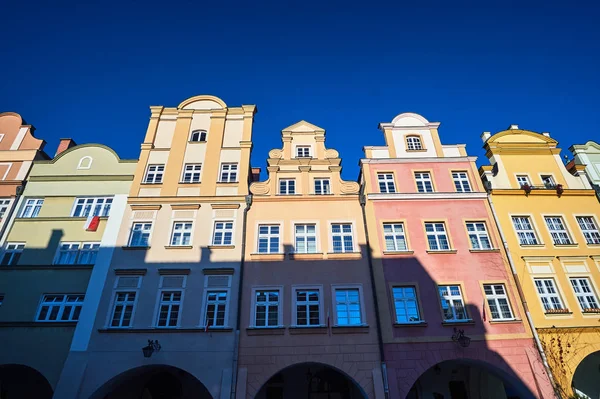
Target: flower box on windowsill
x: 557, y: 311
x: 591, y: 310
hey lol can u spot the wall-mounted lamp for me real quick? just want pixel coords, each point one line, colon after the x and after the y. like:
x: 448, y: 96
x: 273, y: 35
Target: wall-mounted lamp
x: 153, y: 346
x: 460, y: 337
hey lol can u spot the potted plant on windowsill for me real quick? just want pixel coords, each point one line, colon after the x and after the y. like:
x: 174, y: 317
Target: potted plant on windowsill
x: 557, y: 311
x: 591, y: 310
x: 527, y: 188
x: 559, y: 189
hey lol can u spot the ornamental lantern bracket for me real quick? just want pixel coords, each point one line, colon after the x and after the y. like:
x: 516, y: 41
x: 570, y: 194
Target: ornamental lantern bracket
x: 460, y: 338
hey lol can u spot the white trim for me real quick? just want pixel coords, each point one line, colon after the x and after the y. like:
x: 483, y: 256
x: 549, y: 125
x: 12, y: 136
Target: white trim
x: 590, y: 215
x: 279, y: 289
x: 359, y: 287
x: 310, y: 147
x: 182, y: 231
x: 199, y: 172
x: 547, y: 174
x: 536, y: 230
x: 9, y: 164
x: 156, y: 173
x: 223, y: 220
x: 1, y: 137
x: 426, y: 196
x: 565, y: 225
x: 522, y: 174
x: 317, y: 235
x: 269, y: 236
x: 19, y: 138
x: 159, y: 300
x: 495, y: 297
x: 81, y: 161
x: 308, y: 287
x: 129, y: 239
x: 355, y: 246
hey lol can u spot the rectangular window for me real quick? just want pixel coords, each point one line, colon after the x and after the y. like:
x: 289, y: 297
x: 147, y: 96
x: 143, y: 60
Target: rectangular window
x: 452, y: 303
x: 123, y: 309
x: 4, y: 205
x: 154, y: 174
x: 461, y: 182
x: 436, y: 237
x: 413, y: 143
x: 303, y: 151
x: 229, y: 173
x: 585, y: 294
x: 341, y: 235
x: 548, y: 294
x: 140, y: 234
x: 169, y: 308
x: 71, y: 253
x: 497, y: 300
x: 287, y: 186
x: 386, y: 183
x: 182, y: 234
x: 395, y: 240
x: 478, y: 235
x: 308, y: 307
x: 268, y: 239
x: 223, y: 234
x: 191, y: 173
x: 558, y: 231
x: 548, y: 181
x: 32, y: 208
x: 424, y: 184
x: 60, y: 307
x: 406, y: 305
x: 216, y: 306
x: 85, y: 207
x: 322, y: 187
x: 88, y: 252
x: 266, y: 308
x: 589, y: 229
x: 347, y: 307
x: 523, y: 180
x: 305, y: 238
x: 12, y: 253
x: 525, y: 230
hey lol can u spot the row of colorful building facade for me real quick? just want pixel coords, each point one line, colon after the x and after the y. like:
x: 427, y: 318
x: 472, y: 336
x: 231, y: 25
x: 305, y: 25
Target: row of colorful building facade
x: 183, y: 275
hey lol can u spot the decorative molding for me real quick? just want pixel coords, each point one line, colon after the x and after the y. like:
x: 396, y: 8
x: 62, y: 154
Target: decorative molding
x: 308, y: 256
x: 344, y: 255
x: 185, y: 207
x: 267, y: 257
x: 425, y: 196
x: 131, y: 272
x: 218, y: 271
x: 276, y: 154
x: 225, y: 206
x: 260, y: 188
x: 174, y: 272
x: 145, y: 207
x: 54, y: 219
x: 221, y: 247
x: 161, y: 330
x: 179, y: 246
x: 330, y: 153
x: 349, y: 187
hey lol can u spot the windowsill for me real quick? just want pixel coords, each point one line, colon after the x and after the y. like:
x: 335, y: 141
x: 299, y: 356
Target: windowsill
x: 564, y: 312
x: 593, y: 245
x: 279, y: 330
x: 445, y: 251
x: 484, y: 251
x: 574, y: 245
x: 189, y: 182
x: 221, y: 247
x: 271, y: 257
x: 308, y: 330
x: 196, y: 142
x: 344, y: 255
x: 532, y: 245
x: 134, y: 248
x: 324, y: 194
x: 179, y: 246
x: 591, y: 311
x: 466, y: 322
x: 162, y: 330
x: 305, y: 256
x: 415, y: 324
x: 407, y: 252
x: 359, y: 329
x: 151, y: 184
x: 512, y: 321
x: 38, y: 324
x: 421, y: 150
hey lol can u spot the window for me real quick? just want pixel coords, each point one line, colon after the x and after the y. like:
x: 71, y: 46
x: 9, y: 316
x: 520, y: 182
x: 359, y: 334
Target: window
x: 585, y: 294
x: 322, y: 187
x: 524, y: 230
x: 413, y: 143
x: 347, y: 307
x: 4, y: 204
x: 305, y: 238
x: 548, y: 181
x: 198, y: 136
x: 548, y: 294
x: 216, y: 306
x: 77, y: 253
x: 12, y: 253
x: 266, y: 308
x: 436, y: 237
x: 461, y: 182
x: 223, y: 234
x: 406, y: 305
x: 424, y: 184
x: 452, y: 303
x: 229, y: 172
x: 182, y: 234
x: 60, y: 307
x: 123, y: 309
x: 523, y: 180
x: 589, y: 228
x: 191, y: 173
x: 154, y: 174
x: 85, y: 207
x: 395, y: 240
x: 342, y: 237
x: 386, y: 183
x: 140, y: 234
x: 32, y: 208
x: 303, y: 151
x: 85, y: 162
x: 497, y: 300
x: 308, y: 307
x: 558, y: 231
x: 268, y: 239
x: 287, y: 186
x: 478, y: 235
x: 168, y: 309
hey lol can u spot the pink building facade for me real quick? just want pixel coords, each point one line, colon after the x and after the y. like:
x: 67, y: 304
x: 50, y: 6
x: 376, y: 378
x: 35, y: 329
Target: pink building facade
x: 452, y: 322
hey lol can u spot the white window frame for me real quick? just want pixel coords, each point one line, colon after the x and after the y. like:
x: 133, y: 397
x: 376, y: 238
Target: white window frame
x: 94, y: 206
x: 407, y: 300
x: 209, y: 291
x: 78, y: 250
x: 496, y: 297
x: 223, y: 231
x: 157, y: 171
x: 451, y: 298
x: 12, y: 248
x: 304, y: 236
x: 478, y: 234
x: 423, y: 178
x: 269, y: 236
x: 319, y: 288
x: 4, y: 206
x: 303, y: 151
x: 415, y: 144
x: 160, y: 302
x: 228, y: 172
x: 342, y: 234
x: 200, y: 133
x: 195, y: 173
x: 437, y: 234
x: 551, y: 180
x: 280, y: 305
x: 114, y: 303
x: 181, y: 233
x: 386, y: 182
x: 361, y: 304
x: 32, y: 207
x: 132, y: 231
x: 287, y: 186
x: 461, y: 181
x: 582, y: 295
x: 62, y: 305
x: 563, y: 235
x: 590, y: 234
x: 532, y: 230
x: 395, y: 235
x: 548, y: 295
x: 519, y: 177
x: 324, y: 186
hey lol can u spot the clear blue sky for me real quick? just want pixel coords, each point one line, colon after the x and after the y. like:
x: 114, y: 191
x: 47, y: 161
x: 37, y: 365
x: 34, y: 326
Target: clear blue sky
x: 90, y: 71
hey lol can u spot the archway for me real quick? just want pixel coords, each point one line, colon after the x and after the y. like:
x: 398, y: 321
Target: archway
x: 585, y: 379
x: 310, y: 381
x: 467, y: 379
x: 153, y: 382
x: 23, y: 382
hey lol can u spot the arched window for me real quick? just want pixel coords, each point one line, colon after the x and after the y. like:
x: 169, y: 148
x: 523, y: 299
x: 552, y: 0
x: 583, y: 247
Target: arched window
x: 413, y: 143
x: 85, y: 163
x: 198, y: 136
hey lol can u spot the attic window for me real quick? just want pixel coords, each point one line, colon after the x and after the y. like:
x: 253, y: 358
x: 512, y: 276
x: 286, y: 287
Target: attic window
x: 303, y: 151
x: 413, y: 143
x: 85, y: 163
x: 198, y: 136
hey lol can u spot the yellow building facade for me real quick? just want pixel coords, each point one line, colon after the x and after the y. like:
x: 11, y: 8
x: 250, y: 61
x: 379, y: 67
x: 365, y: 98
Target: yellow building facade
x: 549, y: 223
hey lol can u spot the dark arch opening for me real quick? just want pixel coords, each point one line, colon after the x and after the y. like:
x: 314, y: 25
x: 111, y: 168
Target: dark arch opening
x: 153, y: 382
x: 23, y: 382
x: 310, y: 381
x: 468, y: 379
x: 585, y: 379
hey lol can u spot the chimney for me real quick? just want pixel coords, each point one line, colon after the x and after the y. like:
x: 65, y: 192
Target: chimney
x: 64, y: 145
x: 485, y: 136
x: 513, y: 127
x: 546, y: 134
x: 255, y: 174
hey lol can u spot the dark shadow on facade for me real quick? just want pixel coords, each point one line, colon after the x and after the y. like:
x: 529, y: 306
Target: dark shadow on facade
x: 585, y: 380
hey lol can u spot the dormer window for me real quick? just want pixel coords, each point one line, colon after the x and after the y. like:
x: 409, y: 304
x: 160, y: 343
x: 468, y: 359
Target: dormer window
x: 413, y: 143
x: 198, y: 136
x: 303, y: 151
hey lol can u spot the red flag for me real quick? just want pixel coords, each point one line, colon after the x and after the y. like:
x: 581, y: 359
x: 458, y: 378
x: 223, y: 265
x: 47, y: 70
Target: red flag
x: 92, y: 223
x: 207, y: 326
x: 483, y: 311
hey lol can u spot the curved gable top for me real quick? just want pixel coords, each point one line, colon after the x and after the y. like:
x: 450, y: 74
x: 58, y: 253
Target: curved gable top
x: 590, y: 146
x: 519, y: 136
x: 19, y: 135
x: 409, y: 119
x: 204, y: 102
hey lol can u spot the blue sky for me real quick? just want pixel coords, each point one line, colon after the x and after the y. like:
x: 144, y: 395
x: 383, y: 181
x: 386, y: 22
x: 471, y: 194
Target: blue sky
x: 90, y: 71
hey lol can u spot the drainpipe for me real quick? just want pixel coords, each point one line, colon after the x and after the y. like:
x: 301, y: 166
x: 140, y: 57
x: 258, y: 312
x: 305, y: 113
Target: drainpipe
x: 236, y: 345
x: 523, y: 300
x: 363, y: 201
x: 9, y: 215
